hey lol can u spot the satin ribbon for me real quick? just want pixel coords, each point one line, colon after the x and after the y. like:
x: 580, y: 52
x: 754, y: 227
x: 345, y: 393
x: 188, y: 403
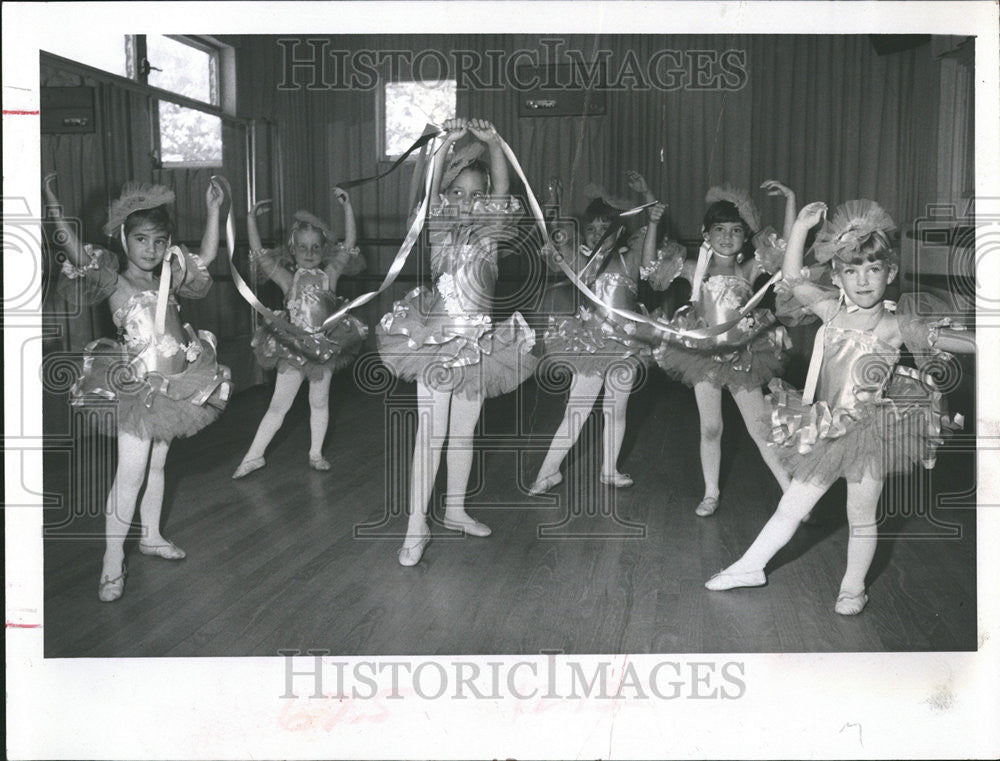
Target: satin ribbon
x: 163, y: 292
x: 430, y: 132
x: 626, y: 313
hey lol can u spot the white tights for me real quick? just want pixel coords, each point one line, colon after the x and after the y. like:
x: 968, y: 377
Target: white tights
x: 139, y: 460
x: 754, y: 410
x: 441, y: 414
x: 798, y: 500
x: 582, y: 395
x: 286, y: 387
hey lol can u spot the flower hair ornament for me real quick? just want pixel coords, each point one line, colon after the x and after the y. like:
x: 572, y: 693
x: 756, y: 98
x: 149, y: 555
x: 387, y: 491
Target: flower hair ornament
x: 739, y: 198
x: 465, y: 153
x: 303, y: 219
x: 851, y: 223
x: 136, y: 196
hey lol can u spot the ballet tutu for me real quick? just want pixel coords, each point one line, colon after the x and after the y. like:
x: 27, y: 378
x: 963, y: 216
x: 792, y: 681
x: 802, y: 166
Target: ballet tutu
x: 312, y: 356
x: 819, y: 444
x: 152, y: 405
x: 591, y: 344
x: 746, y: 357
x: 465, y: 354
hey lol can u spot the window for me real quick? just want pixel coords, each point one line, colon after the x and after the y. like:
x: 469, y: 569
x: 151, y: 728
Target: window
x: 107, y: 52
x: 408, y: 107
x: 186, y: 66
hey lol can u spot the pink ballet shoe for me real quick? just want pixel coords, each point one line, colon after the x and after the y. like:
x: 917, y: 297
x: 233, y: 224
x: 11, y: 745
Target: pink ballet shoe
x: 707, y: 506
x: 618, y: 480
x: 319, y: 463
x: 850, y: 603
x: 110, y: 589
x: 165, y: 549
x: 724, y: 580
x: 409, y: 556
x: 248, y: 466
x: 542, y: 485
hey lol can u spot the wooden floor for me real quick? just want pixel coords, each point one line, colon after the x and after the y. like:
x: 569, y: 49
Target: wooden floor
x: 289, y: 558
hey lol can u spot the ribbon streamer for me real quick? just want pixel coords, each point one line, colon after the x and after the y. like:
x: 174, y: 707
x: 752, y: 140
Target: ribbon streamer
x: 627, y: 313
x: 163, y: 292
x: 430, y: 132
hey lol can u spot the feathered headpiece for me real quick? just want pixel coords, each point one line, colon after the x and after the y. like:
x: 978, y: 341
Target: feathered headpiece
x: 136, y: 196
x: 739, y: 198
x: 841, y: 235
x: 462, y: 156
x: 593, y: 191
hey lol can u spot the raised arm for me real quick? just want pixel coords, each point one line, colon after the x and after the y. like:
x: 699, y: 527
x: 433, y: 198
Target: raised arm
x: 775, y: 188
x: 72, y: 245
x: 455, y: 128
x: 499, y: 174
x: 210, y: 238
x: 350, y: 226
x: 639, y: 185
x: 267, y: 262
x: 652, y: 233
x: 253, y: 234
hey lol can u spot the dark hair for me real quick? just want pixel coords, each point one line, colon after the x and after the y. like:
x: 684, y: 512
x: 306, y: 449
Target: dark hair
x: 475, y: 166
x: 158, y: 216
x: 872, y: 247
x: 597, y: 209
x: 724, y: 211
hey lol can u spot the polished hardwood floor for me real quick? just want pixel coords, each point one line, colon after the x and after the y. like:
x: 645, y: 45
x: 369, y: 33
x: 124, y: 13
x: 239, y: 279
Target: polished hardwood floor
x: 293, y: 559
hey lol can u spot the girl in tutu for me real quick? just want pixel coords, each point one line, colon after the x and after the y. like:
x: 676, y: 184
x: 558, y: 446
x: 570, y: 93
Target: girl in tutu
x: 860, y: 417
x: 745, y: 356
x: 603, y: 350
x: 443, y: 338
x: 306, y: 269
x: 162, y: 377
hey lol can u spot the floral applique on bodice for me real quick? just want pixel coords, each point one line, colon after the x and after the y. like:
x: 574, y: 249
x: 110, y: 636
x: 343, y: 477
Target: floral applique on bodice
x: 167, y: 353
x: 309, y: 300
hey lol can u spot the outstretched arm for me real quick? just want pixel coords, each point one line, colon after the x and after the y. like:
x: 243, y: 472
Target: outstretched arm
x: 775, y: 188
x: 455, y: 129
x: 500, y: 175
x: 638, y: 184
x: 350, y: 226
x: 210, y: 238
x: 72, y: 246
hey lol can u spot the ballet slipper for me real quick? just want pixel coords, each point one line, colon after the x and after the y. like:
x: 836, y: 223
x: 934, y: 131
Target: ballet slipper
x: 618, y: 480
x: 110, y: 589
x: 542, y: 485
x: 248, y: 466
x: 163, y: 549
x: 707, y: 506
x: 724, y: 580
x: 318, y: 462
x: 850, y: 603
x: 466, y: 524
x: 410, y: 555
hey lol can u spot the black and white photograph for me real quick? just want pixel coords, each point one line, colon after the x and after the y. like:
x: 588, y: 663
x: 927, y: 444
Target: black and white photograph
x: 384, y: 377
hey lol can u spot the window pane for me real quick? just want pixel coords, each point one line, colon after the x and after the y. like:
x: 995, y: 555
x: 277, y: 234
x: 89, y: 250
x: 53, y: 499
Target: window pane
x: 102, y: 51
x: 409, y: 106
x: 183, y: 69
x: 189, y: 137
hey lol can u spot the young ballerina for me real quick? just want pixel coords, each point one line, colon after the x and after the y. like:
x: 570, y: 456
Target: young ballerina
x: 747, y: 355
x: 444, y: 338
x: 163, y: 376
x: 306, y: 269
x: 860, y: 417
x: 604, y: 350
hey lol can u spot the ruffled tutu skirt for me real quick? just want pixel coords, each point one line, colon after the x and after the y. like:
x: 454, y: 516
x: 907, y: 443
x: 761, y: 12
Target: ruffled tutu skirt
x: 819, y: 444
x: 313, y: 355
x: 465, y: 354
x: 152, y: 405
x: 747, y: 357
x: 591, y: 344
